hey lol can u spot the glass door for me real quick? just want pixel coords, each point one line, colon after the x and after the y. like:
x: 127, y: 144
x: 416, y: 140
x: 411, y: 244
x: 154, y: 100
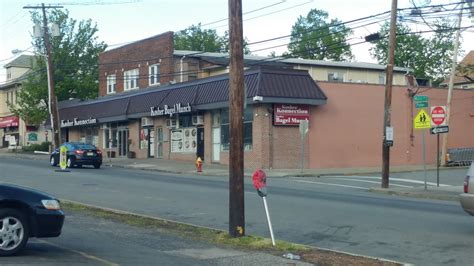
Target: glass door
x: 160, y: 142
x: 216, y: 144
x: 122, y: 136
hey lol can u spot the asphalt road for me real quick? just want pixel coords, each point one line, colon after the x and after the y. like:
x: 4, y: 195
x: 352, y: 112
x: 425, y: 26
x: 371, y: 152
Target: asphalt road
x: 347, y: 218
x: 88, y: 240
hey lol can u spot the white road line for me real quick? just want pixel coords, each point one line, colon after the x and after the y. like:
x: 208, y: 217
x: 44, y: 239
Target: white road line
x: 372, y: 182
x: 329, y: 184
x: 391, y: 178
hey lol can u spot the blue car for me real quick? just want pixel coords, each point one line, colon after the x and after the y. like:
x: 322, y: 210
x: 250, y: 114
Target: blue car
x: 78, y: 154
x: 26, y: 213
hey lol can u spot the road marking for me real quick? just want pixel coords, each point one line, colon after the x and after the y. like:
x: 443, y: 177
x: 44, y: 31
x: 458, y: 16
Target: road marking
x: 372, y: 182
x: 330, y: 184
x: 391, y: 178
x: 92, y: 257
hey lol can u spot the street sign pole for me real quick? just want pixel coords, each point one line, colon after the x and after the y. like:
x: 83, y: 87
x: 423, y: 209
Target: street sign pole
x: 424, y: 157
x: 437, y: 162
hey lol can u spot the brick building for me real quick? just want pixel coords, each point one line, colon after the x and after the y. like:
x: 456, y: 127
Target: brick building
x: 173, y: 105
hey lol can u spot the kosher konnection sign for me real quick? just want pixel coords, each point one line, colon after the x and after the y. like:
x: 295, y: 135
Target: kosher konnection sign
x: 78, y: 122
x: 289, y: 114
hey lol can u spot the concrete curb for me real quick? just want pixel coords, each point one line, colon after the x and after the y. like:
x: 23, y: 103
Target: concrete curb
x: 437, y: 195
x: 120, y: 212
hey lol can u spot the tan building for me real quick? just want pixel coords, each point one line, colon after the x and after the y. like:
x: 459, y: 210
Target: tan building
x: 14, y: 132
x: 464, y: 75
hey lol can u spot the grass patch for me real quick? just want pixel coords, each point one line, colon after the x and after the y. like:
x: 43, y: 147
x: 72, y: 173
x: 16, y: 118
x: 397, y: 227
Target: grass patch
x: 222, y: 238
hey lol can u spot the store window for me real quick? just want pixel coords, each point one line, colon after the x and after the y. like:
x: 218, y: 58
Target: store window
x: 225, y: 137
x: 89, y: 135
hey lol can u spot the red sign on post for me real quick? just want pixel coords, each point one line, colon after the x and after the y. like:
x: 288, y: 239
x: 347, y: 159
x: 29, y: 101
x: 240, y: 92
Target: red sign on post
x: 289, y: 114
x: 438, y: 116
x: 259, y: 179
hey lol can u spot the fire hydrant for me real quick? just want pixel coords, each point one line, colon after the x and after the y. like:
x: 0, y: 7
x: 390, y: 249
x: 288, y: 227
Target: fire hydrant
x: 199, y: 164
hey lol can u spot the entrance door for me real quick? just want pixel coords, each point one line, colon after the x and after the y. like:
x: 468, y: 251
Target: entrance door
x: 122, y: 137
x: 151, y: 143
x: 160, y: 142
x: 216, y: 144
x: 200, y: 143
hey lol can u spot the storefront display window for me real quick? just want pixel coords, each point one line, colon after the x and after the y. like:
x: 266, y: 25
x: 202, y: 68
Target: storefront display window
x: 225, y: 138
x: 90, y: 135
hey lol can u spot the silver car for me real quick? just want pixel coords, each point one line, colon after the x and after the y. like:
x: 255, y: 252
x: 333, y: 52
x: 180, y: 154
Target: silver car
x: 467, y: 198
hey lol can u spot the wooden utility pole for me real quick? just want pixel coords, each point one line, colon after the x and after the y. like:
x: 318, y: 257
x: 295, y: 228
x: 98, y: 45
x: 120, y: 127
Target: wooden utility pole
x: 388, y: 95
x: 444, y: 149
x: 236, y: 129
x: 53, y: 109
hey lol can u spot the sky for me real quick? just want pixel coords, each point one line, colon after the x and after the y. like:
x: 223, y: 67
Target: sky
x: 123, y: 21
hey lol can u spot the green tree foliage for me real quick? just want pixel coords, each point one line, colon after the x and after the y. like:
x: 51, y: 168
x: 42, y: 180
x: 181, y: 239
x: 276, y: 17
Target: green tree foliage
x: 430, y: 58
x: 194, y: 38
x: 74, y: 57
x: 314, y: 37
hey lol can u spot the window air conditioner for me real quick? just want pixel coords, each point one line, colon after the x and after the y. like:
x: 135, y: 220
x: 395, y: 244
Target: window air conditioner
x: 147, y: 121
x: 198, y: 120
x: 171, y: 123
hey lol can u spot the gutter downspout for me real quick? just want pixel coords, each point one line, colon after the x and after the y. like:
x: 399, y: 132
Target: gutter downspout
x: 181, y: 68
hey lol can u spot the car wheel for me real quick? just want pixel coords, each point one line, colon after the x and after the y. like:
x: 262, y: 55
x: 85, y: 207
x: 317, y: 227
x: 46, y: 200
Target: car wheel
x: 14, y: 231
x: 70, y: 162
x: 53, y: 161
x: 97, y: 165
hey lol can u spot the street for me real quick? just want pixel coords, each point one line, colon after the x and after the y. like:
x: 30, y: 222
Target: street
x: 329, y: 212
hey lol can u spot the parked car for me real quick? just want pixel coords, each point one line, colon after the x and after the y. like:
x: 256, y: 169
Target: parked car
x: 26, y: 213
x: 78, y: 154
x: 467, y: 198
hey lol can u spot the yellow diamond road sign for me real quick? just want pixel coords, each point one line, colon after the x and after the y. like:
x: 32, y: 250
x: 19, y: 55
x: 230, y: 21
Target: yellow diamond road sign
x: 422, y: 120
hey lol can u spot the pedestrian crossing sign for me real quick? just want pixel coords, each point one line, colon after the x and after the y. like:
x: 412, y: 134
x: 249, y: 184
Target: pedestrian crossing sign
x: 422, y: 120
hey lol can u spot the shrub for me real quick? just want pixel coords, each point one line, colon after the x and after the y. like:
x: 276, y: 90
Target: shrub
x: 44, y: 146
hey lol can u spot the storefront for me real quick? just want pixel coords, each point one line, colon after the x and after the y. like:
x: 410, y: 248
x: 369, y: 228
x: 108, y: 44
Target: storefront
x: 10, y: 127
x: 188, y: 120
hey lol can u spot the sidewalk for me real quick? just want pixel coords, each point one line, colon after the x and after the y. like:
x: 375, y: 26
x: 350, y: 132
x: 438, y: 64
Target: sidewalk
x: 209, y: 169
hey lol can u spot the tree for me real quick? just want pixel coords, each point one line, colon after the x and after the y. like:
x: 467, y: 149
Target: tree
x: 194, y: 38
x: 314, y: 37
x: 430, y: 58
x: 75, y: 56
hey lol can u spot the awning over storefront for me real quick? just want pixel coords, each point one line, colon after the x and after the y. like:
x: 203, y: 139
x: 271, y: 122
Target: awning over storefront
x: 10, y: 121
x: 262, y: 86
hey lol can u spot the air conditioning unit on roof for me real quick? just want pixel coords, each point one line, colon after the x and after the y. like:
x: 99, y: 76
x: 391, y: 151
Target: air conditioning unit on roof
x: 147, y: 121
x: 198, y: 120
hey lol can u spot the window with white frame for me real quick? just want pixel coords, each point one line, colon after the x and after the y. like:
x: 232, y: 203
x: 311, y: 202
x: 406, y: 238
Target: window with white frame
x: 111, y: 83
x: 336, y: 76
x: 154, y: 74
x: 130, y: 79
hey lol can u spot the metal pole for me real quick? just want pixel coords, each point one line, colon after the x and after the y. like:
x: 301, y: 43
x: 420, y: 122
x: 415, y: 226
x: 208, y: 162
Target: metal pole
x: 424, y: 157
x: 269, y: 220
x: 388, y: 95
x: 302, y: 153
x: 444, y: 149
x: 437, y: 162
x: 236, y: 98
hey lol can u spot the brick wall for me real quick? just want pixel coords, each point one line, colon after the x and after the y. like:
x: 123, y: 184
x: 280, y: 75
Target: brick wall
x: 140, y: 54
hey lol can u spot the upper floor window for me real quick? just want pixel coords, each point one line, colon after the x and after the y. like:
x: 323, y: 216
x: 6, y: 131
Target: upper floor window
x: 130, y: 79
x: 154, y: 74
x: 111, y: 83
x: 336, y: 77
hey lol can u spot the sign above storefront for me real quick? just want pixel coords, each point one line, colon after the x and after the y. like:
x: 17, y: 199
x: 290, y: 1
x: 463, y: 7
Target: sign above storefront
x: 10, y: 121
x: 289, y: 114
x: 78, y: 122
x: 170, y: 110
